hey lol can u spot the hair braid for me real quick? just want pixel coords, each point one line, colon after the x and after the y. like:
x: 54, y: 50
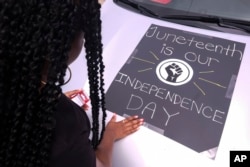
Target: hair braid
x: 33, y: 32
x: 101, y: 88
x: 27, y: 40
x: 95, y: 65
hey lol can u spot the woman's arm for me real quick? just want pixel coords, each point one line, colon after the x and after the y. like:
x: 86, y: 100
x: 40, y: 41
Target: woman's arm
x: 115, y: 131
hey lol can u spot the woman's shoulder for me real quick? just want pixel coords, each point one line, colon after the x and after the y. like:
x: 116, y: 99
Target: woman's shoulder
x: 70, y: 144
x: 70, y: 113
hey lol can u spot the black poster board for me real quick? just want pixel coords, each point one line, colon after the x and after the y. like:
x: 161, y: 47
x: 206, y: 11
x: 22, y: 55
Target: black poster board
x: 181, y: 83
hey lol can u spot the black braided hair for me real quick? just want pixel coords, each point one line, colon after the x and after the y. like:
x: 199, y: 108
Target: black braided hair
x: 31, y: 33
x: 95, y: 68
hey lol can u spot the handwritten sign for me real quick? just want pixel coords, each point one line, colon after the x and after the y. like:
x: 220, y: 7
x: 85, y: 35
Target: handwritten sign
x: 181, y: 83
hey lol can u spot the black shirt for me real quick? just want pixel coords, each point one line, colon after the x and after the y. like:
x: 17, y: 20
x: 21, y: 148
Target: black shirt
x: 71, y: 146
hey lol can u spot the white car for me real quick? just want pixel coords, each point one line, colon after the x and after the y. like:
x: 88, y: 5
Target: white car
x: 183, y: 66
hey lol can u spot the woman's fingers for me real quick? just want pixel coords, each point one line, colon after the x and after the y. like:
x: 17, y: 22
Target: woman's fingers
x: 71, y: 93
x: 133, y: 121
x: 131, y: 124
x: 123, y: 128
x: 131, y: 118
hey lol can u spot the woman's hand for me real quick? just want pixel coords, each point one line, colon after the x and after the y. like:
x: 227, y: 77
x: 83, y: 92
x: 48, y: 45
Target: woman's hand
x: 115, y: 131
x: 83, y: 103
x: 71, y: 93
x: 121, y: 129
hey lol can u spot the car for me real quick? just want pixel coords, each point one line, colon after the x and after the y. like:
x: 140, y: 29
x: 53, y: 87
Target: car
x: 226, y: 16
x: 126, y: 24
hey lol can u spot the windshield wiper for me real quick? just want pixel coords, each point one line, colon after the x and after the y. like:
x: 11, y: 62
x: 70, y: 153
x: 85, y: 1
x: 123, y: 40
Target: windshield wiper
x: 221, y: 22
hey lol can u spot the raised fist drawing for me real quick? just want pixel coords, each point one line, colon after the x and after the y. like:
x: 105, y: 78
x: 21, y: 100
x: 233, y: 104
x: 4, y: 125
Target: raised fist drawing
x: 174, y: 71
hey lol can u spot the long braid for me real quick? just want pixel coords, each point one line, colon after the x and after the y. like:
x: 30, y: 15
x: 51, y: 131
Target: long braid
x: 101, y: 88
x: 95, y: 65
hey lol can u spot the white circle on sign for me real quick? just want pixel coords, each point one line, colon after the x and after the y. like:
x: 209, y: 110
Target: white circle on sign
x: 174, y: 72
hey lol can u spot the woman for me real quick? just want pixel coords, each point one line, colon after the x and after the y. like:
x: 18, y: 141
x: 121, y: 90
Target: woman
x: 39, y: 125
